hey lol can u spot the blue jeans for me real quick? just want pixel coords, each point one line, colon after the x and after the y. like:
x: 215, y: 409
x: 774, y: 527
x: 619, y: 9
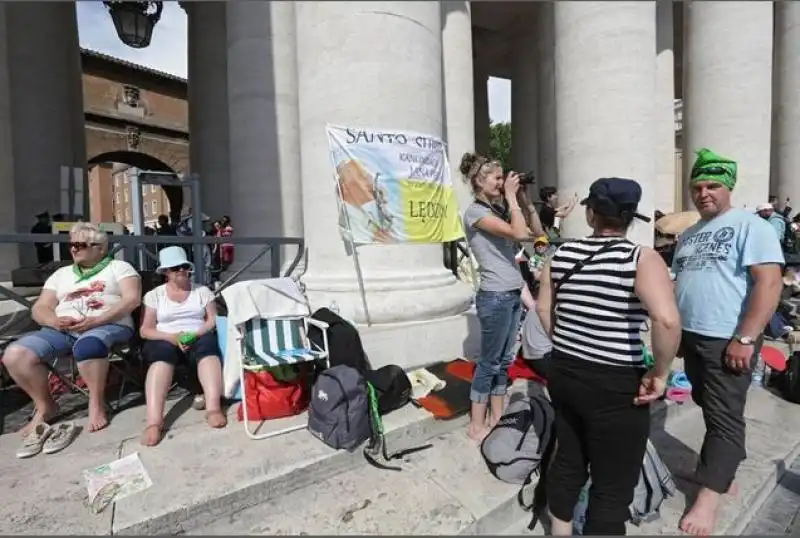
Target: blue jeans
x: 499, y: 315
x: 49, y: 344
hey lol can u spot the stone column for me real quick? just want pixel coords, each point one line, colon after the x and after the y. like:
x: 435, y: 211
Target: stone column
x: 786, y: 172
x: 459, y: 102
x: 605, y: 83
x: 263, y: 135
x: 47, y: 109
x: 349, y: 50
x: 208, y: 105
x: 481, y: 80
x: 664, y: 187
x: 548, y: 169
x: 524, y: 100
x: 9, y: 258
x: 727, y: 90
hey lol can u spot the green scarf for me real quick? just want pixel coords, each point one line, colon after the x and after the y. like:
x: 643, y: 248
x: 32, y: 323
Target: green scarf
x: 86, y: 274
x: 712, y: 167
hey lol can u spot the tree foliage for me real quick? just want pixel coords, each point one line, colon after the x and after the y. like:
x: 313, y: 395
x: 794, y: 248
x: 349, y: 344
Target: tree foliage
x: 500, y: 143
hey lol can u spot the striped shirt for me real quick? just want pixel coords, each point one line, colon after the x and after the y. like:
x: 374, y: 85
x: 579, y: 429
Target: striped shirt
x: 597, y: 313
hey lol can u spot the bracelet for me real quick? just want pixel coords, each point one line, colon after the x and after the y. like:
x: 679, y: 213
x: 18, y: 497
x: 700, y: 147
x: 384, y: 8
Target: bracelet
x: 515, y: 208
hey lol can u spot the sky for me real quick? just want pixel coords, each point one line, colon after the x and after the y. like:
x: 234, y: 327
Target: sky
x: 167, y: 51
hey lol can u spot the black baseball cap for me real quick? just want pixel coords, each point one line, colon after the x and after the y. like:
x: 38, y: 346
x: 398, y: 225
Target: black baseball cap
x: 614, y: 197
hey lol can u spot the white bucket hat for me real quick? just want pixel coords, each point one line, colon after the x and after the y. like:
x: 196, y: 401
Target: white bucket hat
x: 172, y: 257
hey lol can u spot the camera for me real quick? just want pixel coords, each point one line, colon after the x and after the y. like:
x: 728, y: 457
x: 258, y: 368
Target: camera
x: 527, y: 178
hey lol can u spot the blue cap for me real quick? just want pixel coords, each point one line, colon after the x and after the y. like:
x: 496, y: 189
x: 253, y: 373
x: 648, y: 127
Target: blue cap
x: 615, y: 196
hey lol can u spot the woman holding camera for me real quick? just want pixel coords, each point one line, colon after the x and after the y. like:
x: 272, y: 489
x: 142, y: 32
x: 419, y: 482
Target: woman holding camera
x: 493, y: 232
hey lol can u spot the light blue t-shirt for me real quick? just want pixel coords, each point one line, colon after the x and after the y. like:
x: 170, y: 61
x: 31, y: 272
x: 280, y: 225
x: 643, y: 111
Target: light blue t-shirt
x: 778, y: 224
x: 711, y: 262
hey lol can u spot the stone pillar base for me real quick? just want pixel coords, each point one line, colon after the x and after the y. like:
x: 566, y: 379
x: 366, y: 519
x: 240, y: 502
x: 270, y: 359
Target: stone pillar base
x: 416, y: 344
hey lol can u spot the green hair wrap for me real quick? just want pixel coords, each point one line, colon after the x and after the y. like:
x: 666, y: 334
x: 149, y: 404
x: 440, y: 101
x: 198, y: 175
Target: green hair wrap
x: 710, y: 166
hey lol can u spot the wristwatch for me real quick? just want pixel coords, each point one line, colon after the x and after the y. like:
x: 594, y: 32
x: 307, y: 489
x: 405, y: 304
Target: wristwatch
x: 744, y: 340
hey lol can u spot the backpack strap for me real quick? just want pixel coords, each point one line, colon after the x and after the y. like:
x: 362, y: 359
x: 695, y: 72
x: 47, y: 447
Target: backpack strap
x: 377, y: 442
x: 539, y: 501
x: 579, y: 265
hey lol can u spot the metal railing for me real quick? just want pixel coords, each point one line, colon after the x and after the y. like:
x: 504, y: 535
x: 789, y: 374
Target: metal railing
x: 138, y: 244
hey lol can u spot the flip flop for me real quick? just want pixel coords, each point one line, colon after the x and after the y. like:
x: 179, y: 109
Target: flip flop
x: 61, y: 437
x: 678, y: 395
x: 679, y: 380
x: 33, y: 442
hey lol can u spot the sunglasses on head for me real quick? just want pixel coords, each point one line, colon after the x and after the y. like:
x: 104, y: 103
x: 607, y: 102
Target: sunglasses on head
x: 710, y: 170
x: 81, y: 245
x: 182, y: 267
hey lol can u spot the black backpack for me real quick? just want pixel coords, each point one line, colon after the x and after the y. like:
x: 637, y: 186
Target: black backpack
x: 392, y: 387
x: 344, y: 342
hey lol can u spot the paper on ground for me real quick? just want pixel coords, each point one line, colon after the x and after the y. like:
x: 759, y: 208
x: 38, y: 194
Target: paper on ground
x: 127, y: 474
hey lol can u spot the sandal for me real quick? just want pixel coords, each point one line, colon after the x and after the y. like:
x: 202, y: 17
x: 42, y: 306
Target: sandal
x: 33, y: 442
x: 145, y: 438
x: 62, y: 436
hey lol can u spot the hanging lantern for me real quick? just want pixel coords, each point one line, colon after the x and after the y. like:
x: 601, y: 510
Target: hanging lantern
x: 134, y: 21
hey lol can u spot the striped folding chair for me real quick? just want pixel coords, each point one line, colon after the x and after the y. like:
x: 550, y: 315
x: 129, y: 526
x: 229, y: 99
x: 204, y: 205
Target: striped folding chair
x: 270, y: 343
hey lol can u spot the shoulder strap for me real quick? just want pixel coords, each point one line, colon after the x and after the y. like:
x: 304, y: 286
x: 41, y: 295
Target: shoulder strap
x: 578, y: 266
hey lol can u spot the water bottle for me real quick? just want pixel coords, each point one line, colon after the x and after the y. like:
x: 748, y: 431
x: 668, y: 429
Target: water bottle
x: 757, y: 377
x: 334, y: 307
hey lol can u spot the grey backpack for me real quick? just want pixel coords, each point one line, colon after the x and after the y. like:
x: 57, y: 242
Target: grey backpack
x: 339, y: 411
x: 518, y: 443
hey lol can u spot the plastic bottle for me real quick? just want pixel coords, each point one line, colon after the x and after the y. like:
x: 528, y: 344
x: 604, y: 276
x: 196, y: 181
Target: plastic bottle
x: 757, y: 377
x: 334, y: 307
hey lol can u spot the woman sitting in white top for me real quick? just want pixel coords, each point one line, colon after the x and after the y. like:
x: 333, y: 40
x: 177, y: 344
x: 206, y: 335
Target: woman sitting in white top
x: 178, y: 322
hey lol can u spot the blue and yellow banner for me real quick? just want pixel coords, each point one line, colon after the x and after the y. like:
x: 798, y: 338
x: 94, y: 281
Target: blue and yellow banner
x: 393, y: 187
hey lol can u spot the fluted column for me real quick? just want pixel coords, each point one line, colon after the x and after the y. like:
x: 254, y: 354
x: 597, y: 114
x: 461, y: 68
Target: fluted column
x: 263, y: 129
x: 787, y: 103
x: 47, y: 107
x: 524, y: 99
x: 459, y: 101
x: 480, y: 85
x: 208, y: 104
x: 664, y: 187
x: 546, y: 120
x: 9, y: 258
x: 605, y: 85
x: 366, y: 80
x: 727, y: 90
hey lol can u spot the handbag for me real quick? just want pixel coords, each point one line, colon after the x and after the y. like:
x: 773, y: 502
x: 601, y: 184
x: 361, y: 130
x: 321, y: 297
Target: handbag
x: 279, y: 392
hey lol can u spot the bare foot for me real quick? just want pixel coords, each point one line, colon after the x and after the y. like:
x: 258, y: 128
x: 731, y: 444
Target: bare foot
x: 216, y: 419
x: 477, y: 432
x: 700, y: 520
x: 43, y: 415
x: 152, y: 435
x: 97, y: 419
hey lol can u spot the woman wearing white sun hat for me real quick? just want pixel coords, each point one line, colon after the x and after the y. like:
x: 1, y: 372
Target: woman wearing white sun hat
x: 178, y: 322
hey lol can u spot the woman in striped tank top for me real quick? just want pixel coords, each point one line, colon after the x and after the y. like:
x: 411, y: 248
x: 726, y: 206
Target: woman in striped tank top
x: 595, y: 295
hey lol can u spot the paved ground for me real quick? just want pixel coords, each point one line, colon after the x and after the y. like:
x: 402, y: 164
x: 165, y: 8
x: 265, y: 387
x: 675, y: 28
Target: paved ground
x: 780, y: 513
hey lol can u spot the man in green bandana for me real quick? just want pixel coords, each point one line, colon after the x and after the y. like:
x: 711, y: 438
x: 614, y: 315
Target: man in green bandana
x: 728, y: 283
x: 84, y: 310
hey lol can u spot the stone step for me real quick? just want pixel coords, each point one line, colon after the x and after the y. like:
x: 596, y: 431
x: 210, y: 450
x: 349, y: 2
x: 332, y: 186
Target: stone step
x: 773, y: 443
x: 443, y: 490
x: 201, y: 475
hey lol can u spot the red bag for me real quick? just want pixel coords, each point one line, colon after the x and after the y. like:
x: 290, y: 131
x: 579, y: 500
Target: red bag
x: 273, y: 394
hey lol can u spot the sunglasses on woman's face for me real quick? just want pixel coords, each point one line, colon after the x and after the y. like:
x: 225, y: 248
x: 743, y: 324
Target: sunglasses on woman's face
x: 81, y: 245
x: 184, y: 267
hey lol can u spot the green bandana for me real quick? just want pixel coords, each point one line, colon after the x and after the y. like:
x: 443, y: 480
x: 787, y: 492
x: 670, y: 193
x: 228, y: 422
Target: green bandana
x: 712, y: 167
x: 92, y: 271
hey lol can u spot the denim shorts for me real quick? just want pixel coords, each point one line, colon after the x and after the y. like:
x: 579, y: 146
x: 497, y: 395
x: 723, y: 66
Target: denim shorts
x: 499, y: 315
x: 49, y: 344
x: 163, y: 351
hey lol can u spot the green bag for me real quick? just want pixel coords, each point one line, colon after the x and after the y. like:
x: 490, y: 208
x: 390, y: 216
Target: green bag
x: 649, y: 360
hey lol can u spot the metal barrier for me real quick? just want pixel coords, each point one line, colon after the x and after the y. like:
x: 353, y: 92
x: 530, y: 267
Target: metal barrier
x: 139, y: 243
